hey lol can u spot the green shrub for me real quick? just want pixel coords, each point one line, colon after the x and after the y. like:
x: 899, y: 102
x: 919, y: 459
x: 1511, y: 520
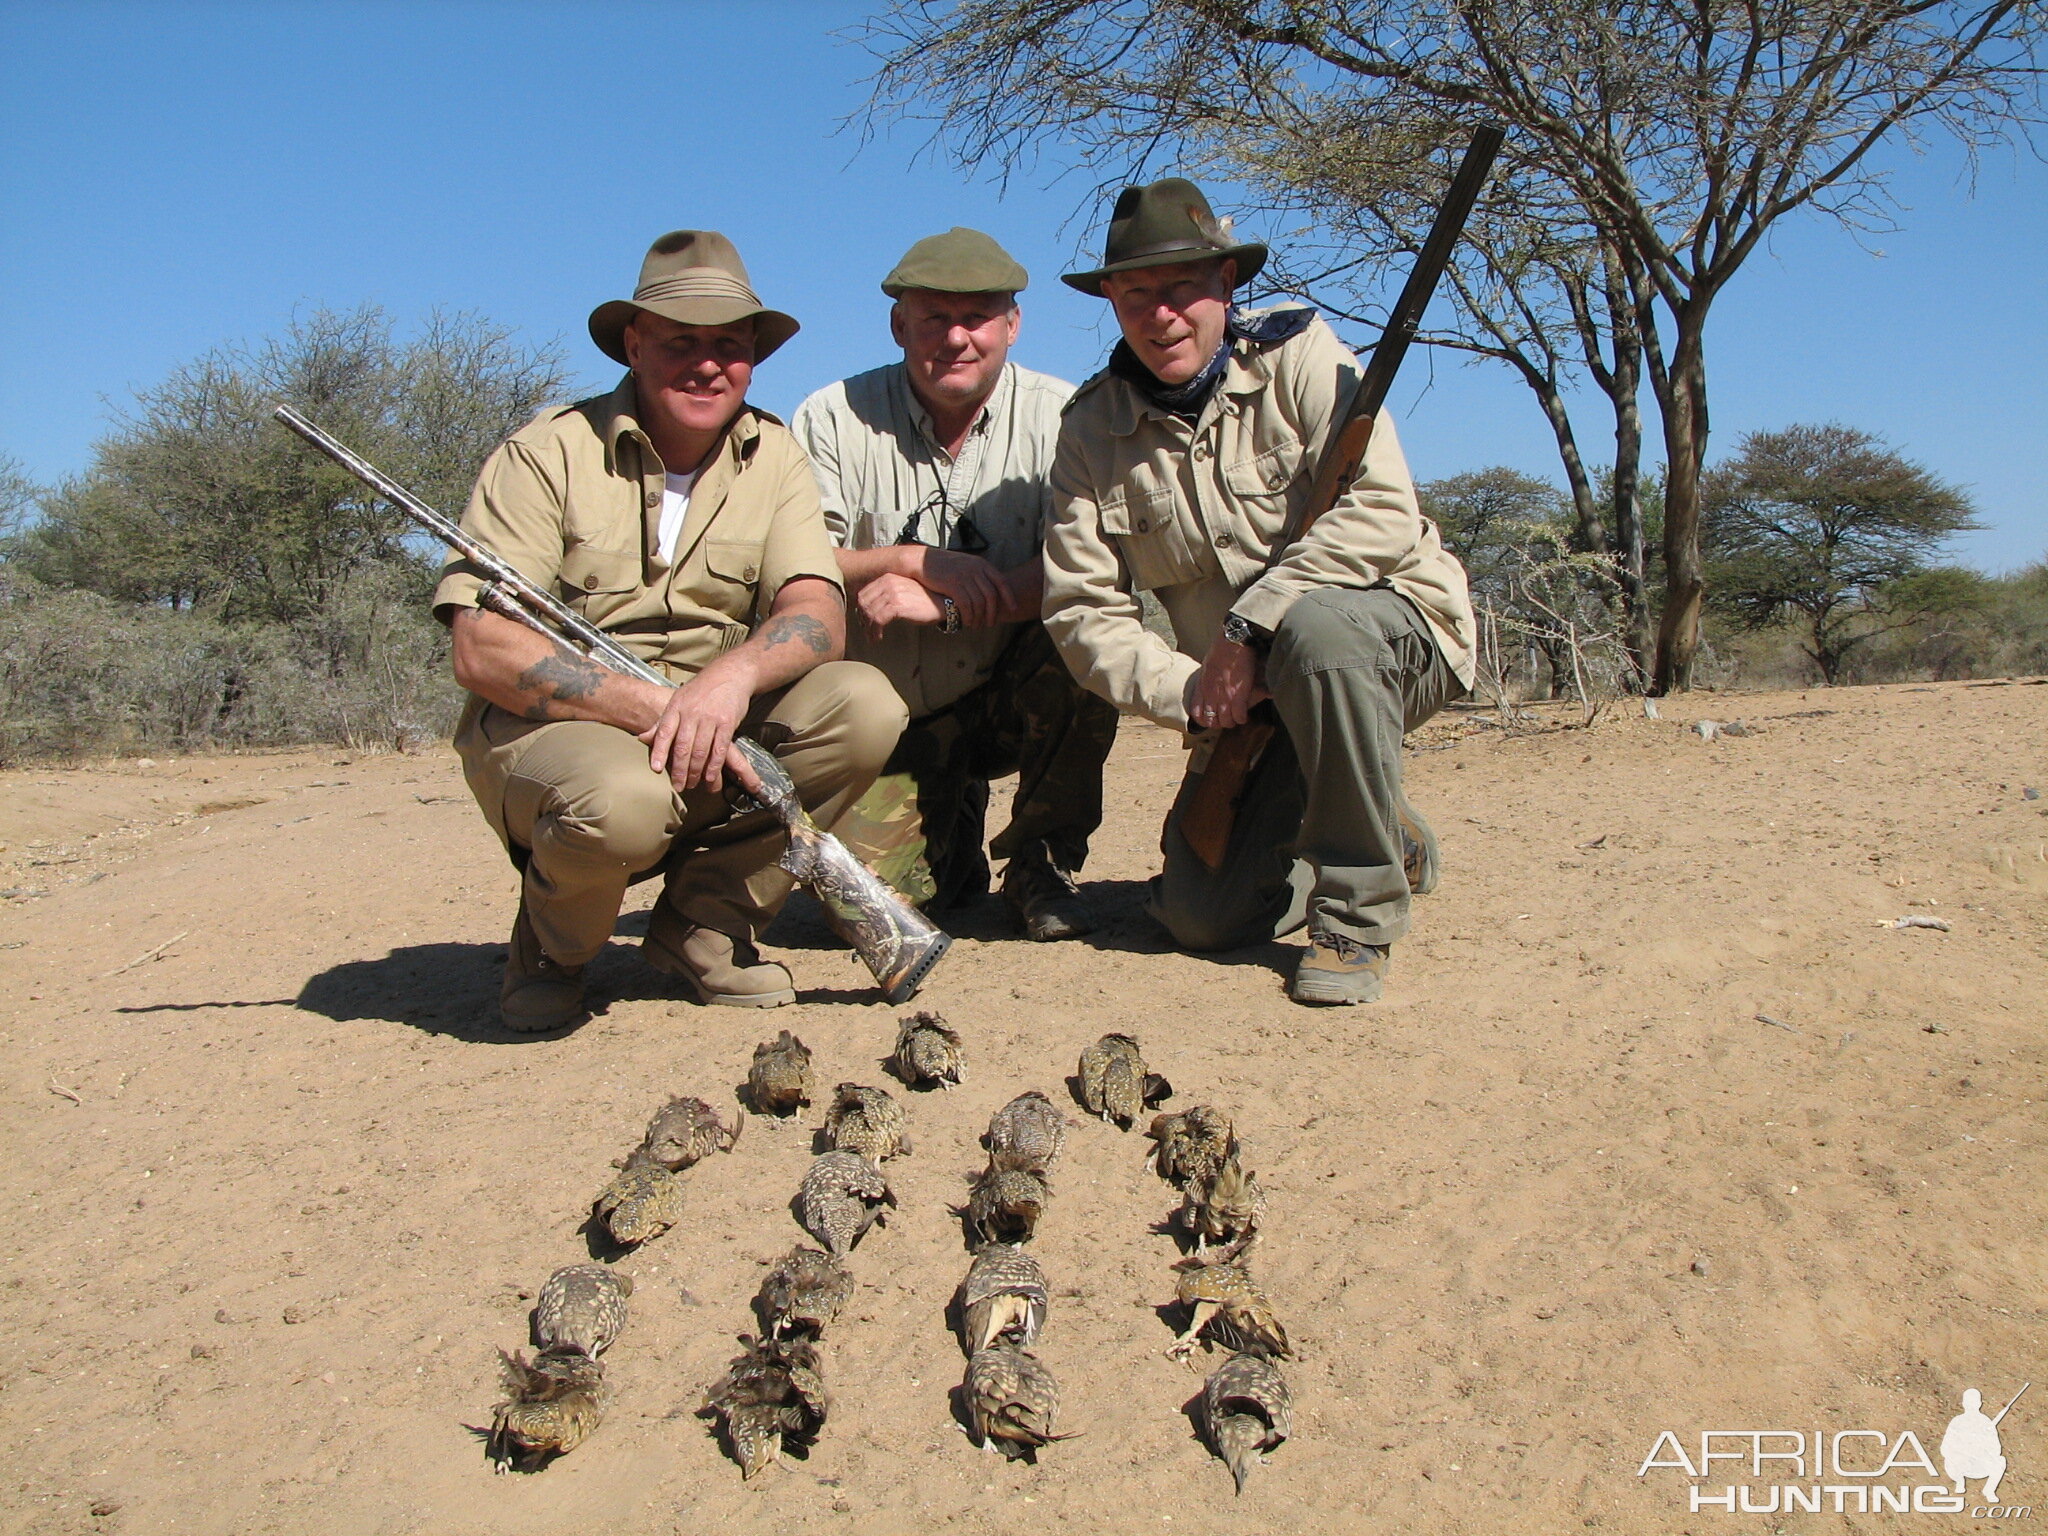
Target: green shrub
x: 82, y: 674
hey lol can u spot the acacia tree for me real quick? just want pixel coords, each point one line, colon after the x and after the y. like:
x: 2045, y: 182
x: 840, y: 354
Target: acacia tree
x: 197, y: 496
x: 1660, y: 140
x: 1829, y: 524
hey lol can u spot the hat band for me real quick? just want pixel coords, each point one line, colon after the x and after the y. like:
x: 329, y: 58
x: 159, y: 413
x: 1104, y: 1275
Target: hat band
x: 1168, y: 248
x: 696, y: 283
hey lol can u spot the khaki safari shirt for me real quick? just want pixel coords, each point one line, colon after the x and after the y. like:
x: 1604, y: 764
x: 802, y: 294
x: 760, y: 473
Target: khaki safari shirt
x: 1145, y: 501
x: 573, y: 499
x: 870, y: 441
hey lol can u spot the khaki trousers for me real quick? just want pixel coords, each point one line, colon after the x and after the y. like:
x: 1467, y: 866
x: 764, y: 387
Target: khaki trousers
x: 1318, y: 835
x: 584, y: 817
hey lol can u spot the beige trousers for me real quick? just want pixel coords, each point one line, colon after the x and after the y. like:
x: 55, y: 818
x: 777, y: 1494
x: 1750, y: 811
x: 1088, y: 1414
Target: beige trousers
x: 583, y: 815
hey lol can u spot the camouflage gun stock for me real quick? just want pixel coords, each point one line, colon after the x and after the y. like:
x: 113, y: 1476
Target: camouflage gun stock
x: 893, y: 939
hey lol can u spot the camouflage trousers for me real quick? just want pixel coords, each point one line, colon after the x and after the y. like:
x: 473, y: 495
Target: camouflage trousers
x: 920, y: 827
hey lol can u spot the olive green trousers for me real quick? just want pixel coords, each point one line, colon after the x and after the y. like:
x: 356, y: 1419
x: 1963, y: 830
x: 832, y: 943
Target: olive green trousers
x: 1317, y: 838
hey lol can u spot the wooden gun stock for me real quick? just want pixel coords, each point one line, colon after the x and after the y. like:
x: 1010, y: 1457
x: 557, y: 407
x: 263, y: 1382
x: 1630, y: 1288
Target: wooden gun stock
x: 1209, y: 809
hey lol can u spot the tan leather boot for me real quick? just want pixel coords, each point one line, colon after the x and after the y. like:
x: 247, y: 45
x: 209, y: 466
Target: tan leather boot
x: 724, y: 971
x: 1337, y: 969
x: 538, y: 993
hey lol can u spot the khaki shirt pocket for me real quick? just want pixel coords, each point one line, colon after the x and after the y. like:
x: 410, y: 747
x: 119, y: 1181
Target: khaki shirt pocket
x: 1148, y: 535
x: 588, y: 569
x: 1255, y: 476
x: 734, y: 560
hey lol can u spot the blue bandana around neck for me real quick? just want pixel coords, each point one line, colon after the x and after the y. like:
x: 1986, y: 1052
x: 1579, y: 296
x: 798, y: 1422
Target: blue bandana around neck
x: 1186, y: 400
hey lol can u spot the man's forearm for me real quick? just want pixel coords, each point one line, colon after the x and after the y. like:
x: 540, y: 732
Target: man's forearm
x: 536, y: 678
x: 806, y: 626
x: 1025, y: 587
x: 858, y: 567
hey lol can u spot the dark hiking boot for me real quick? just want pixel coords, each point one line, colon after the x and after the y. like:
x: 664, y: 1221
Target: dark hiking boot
x: 1045, y: 902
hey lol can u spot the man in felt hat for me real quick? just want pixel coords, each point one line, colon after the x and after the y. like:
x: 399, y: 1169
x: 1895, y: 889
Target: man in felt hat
x: 674, y: 515
x: 934, y: 475
x: 1181, y: 467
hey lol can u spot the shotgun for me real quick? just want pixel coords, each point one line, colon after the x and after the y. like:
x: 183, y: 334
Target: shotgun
x: 895, y: 941
x: 1209, y: 809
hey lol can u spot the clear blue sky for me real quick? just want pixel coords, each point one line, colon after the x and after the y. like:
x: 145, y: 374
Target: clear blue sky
x: 176, y: 175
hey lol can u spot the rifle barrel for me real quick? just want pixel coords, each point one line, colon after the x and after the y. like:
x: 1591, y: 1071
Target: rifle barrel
x: 1406, y: 316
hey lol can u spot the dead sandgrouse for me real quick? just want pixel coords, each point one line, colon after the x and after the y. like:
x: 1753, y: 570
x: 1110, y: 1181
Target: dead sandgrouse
x: 1003, y: 1299
x: 1029, y: 1129
x: 772, y: 1392
x: 841, y: 1197
x: 1226, y: 1207
x: 1225, y: 1304
x: 1115, y: 1086
x: 1006, y: 1200
x: 1246, y: 1411
x: 779, y: 1081
x: 866, y: 1121
x: 643, y: 1201
x: 928, y: 1051
x: 581, y: 1309
x: 803, y: 1294
x: 684, y: 1131
x: 1193, y: 1144
x: 1012, y: 1402
x: 552, y: 1405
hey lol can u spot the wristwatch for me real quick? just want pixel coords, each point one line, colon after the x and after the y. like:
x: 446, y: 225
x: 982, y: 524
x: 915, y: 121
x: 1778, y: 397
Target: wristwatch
x: 949, y: 624
x: 1239, y: 630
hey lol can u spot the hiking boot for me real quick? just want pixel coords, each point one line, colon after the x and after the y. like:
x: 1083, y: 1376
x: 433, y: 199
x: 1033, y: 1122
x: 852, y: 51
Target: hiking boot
x: 1336, y: 969
x: 1045, y: 902
x: 1418, y: 850
x: 539, y: 993
x: 724, y: 971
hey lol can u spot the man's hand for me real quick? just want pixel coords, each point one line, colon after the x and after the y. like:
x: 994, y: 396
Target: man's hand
x: 1227, y: 686
x: 897, y: 600
x: 692, y: 741
x: 969, y: 580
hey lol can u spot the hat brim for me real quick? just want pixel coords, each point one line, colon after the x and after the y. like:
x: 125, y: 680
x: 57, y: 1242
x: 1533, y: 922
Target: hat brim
x: 1249, y: 258
x: 608, y: 321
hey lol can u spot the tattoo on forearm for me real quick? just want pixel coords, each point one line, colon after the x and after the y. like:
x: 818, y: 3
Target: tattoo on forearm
x: 562, y: 676
x: 798, y: 626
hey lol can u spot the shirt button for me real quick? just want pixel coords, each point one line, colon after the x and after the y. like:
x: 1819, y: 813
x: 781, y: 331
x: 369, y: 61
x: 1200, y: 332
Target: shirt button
x: 590, y: 583
x: 1224, y: 540
x: 654, y: 498
x: 748, y: 574
x: 1144, y: 526
x: 1202, y: 450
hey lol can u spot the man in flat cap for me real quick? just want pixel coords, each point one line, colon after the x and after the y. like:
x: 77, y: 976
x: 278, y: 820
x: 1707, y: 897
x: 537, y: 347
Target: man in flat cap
x: 1183, y: 468
x: 671, y: 514
x: 934, y: 475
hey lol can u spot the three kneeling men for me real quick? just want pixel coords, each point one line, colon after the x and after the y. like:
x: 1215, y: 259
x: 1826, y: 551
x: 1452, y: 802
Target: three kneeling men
x: 976, y: 537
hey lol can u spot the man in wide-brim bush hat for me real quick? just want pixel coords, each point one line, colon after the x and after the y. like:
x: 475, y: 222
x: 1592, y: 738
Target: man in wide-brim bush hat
x: 1181, y: 466
x: 672, y: 514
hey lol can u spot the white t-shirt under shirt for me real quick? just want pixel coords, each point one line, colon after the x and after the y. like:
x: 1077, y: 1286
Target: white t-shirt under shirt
x: 675, y: 506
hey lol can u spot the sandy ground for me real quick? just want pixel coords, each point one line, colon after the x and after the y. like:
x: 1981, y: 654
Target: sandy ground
x: 277, y: 1189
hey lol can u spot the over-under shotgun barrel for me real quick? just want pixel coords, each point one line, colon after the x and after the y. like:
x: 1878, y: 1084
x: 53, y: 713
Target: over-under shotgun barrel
x: 895, y: 941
